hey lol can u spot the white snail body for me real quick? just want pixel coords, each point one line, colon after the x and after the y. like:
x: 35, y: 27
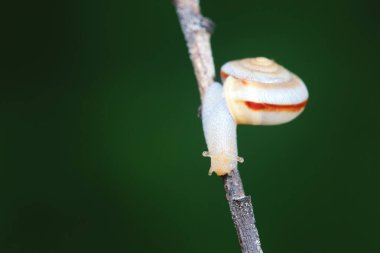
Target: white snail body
x: 256, y: 91
x: 220, y: 131
x: 259, y: 91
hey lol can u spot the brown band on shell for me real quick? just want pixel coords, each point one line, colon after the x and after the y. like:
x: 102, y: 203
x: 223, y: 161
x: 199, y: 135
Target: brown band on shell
x: 223, y: 75
x: 275, y: 107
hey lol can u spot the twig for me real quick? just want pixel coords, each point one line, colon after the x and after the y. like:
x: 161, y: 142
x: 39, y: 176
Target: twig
x: 197, y: 30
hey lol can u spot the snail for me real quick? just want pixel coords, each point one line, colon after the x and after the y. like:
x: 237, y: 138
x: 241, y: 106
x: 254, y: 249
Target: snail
x: 255, y: 91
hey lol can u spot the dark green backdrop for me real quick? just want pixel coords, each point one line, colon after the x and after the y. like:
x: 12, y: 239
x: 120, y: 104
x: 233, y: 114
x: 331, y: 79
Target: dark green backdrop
x: 100, y: 144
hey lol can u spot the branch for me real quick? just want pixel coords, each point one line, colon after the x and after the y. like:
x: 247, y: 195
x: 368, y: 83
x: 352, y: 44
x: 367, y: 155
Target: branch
x: 197, y: 30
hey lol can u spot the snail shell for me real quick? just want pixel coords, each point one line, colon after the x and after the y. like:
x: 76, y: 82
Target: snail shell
x: 259, y: 91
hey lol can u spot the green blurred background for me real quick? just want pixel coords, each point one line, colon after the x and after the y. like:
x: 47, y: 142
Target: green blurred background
x: 100, y: 144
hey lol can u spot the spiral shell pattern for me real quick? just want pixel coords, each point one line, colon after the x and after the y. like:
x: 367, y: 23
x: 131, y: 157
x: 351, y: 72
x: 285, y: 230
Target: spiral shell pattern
x: 259, y: 91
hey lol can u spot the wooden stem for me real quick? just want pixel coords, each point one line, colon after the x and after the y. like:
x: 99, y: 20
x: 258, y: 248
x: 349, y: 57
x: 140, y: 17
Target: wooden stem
x: 197, y: 30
